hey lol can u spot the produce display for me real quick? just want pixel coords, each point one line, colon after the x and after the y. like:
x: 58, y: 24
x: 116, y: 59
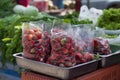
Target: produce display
x: 12, y: 17
x: 65, y: 49
x: 101, y: 46
x: 58, y: 49
x: 66, y: 44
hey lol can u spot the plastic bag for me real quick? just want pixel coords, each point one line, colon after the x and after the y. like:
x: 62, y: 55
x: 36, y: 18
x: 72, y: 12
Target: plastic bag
x: 35, y: 42
x: 92, y: 14
x: 84, y: 13
x: 82, y: 54
x: 84, y: 36
x: 95, y: 14
x: 63, y: 52
x: 101, y: 46
x: 99, y: 32
x: 66, y: 47
x: 115, y: 40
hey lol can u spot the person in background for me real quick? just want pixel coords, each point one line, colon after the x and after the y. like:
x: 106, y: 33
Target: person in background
x: 59, y: 4
x: 77, y: 5
x: 23, y: 2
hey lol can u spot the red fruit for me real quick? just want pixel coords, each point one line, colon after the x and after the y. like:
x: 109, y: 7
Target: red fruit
x: 38, y: 34
x: 29, y: 37
x: 57, y: 39
x: 35, y: 30
x: 31, y: 31
x: 72, y: 50
x: 69, y: 40
x: 68, y: 45
x: 52, y: 57
x: 31, y: 42
x: 53, y: 41
x: 65, y: 51
x: 57, y: 45
x: 58, y: 49
x: 101, y: 46
x: 92, y: 56
x: 83, y: 60
x: 35, y: 37
x: 78, y: 56
x: 78, y: 49
x: 88, y: 56
x: 73, y: 43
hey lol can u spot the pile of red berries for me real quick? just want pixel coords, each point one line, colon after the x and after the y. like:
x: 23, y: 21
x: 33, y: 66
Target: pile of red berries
x: 101, y: 46
x: 36, y: 44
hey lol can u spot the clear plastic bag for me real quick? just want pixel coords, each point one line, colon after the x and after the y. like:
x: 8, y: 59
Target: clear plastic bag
x: 83, y: 47
x: 92, y: 14
x: 101, y: 46
x: 35, y: 42
x: 84, y: 13
x: 95, y: 14
x: 84, y: 36
x: 82, y: 51
x: 63, y: 51
x: 67, y: 47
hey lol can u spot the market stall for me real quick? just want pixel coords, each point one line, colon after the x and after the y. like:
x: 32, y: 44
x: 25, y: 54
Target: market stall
x: 76, y: 46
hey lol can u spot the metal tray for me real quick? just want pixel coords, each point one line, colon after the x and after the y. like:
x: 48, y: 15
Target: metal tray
x: 111, y: 59
x: 55, y: 71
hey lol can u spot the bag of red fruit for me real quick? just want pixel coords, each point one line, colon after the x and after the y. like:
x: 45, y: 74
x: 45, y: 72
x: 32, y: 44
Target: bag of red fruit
x: 101, y: 46
x: 84, y: 36
x: 87, y: 35
x: 34, y: 41
x: 63, y: 51
x: 82, y: 54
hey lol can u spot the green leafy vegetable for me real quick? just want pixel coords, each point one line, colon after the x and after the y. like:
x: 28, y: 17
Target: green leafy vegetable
x: 110, y: 20
x: 6, y: 7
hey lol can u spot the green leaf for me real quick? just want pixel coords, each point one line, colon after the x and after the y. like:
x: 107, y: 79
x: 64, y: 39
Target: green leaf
x: 6, y: 39
x: 96, y: 56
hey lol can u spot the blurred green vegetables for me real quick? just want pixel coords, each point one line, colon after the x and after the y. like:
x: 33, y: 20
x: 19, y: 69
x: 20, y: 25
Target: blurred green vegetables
x: 110, y: 19
x: 6, y: 7
x: 11, y: 32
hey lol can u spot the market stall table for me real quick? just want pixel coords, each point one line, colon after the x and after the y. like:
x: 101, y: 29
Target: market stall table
x: 109, y: 73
